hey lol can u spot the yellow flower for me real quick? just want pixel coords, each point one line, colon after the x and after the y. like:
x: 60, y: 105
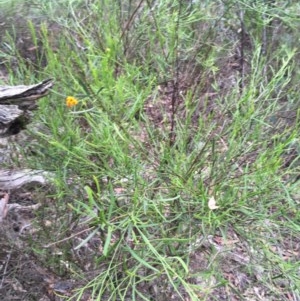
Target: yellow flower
x: 71, y: 101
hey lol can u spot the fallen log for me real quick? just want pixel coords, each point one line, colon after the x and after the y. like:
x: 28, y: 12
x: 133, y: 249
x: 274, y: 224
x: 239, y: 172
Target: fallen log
x: 16, y: 102
x: 24, y: 96
x: 14, y: 179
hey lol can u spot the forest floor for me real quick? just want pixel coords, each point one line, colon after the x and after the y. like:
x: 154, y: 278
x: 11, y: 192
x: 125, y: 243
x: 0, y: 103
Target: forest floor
x: 175, y: 171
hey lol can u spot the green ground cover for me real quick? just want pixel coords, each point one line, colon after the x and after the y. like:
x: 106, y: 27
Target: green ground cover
x: 176, y: 173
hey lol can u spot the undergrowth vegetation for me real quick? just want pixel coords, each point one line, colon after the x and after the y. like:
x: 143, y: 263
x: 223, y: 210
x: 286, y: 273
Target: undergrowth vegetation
x: 176, y: 173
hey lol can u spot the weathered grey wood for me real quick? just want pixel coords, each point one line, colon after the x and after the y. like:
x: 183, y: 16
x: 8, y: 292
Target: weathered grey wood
x: 13, y: 179
x: 8, y: 114
x: 15, y: 104
x: 15, y: 101
x: 3, y: 206
x: 24, y: 96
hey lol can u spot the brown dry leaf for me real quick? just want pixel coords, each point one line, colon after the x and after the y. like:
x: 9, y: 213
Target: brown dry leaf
x: 212, y: 203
